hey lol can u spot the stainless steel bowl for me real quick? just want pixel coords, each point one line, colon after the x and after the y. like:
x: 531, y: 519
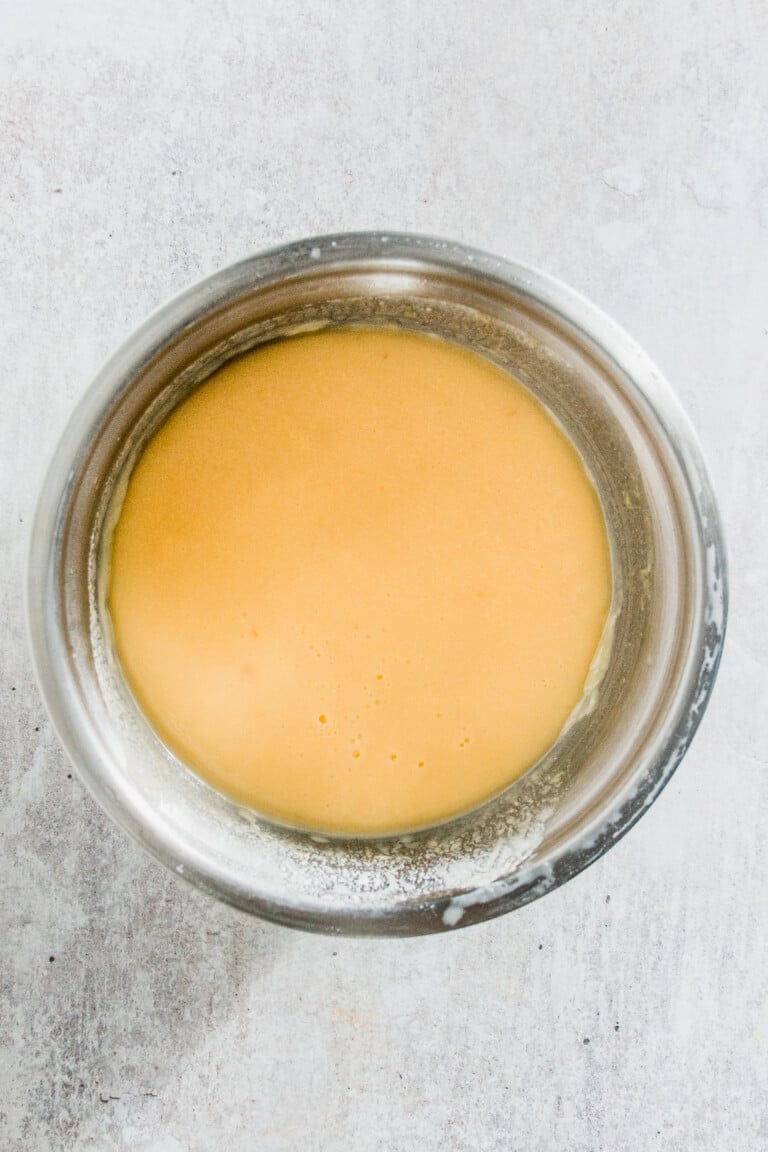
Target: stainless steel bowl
x: 669, y: 589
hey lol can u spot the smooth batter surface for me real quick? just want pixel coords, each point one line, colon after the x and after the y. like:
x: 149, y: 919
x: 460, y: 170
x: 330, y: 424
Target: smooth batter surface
x: 358, y: 580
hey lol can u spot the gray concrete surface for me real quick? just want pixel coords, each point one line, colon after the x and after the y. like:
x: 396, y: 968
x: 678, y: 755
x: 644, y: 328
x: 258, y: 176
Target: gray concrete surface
x: 623, y: 147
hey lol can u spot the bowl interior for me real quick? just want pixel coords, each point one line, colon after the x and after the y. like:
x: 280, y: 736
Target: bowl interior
x: 668, y: 591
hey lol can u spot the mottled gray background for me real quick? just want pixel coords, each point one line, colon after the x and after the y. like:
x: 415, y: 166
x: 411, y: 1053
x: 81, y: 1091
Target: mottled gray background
x: 621, y: 146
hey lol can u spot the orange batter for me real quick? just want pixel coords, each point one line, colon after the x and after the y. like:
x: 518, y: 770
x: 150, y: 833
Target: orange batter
x: 358, y: 580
